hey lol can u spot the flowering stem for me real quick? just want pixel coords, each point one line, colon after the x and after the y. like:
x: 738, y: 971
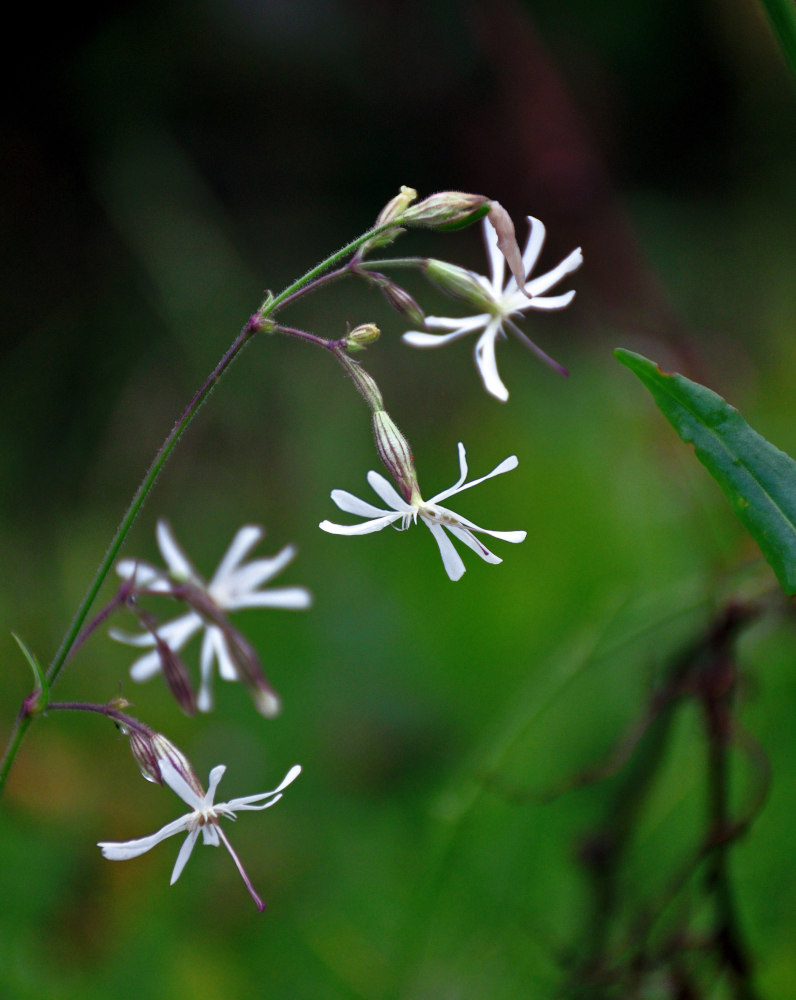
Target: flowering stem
x: 311, y: 280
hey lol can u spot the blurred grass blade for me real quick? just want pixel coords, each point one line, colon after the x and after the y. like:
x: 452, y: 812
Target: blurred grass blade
x: 758, y: 479
x: 782, y: 15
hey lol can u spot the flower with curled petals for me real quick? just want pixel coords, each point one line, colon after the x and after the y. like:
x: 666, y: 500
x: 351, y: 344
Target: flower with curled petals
x: 235, y: 585
x: 437, y: 519
x: 204, y: 817
x: 497, y: 305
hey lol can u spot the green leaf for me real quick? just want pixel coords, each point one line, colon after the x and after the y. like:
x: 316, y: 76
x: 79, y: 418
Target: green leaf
x: 782, y: 15
x: 758, y: 479
x: 39, y: 678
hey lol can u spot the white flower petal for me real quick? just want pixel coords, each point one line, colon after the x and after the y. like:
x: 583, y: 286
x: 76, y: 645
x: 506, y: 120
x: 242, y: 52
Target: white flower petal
x: 146, y: 667
x: 185, y: 853
x: 179, y: 564
x: 366, y: 528
x: 487, y: 365
x: 387, y: 492
x: 350, y: 504
x: 459, y: 325
x: 289, y: 598
x: 235, y: 586
x: 451, y: 560
x: 469, y: 539
x: 227, y: 670
x: 215, y: 776
x: 178, y: 784
x: 122, y: 851
x: 497, y: 262
x: 244, y: 541
x: 254, y: 801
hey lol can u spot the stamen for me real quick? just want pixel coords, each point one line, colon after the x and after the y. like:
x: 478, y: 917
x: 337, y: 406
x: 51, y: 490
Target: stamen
x: 247, y: 882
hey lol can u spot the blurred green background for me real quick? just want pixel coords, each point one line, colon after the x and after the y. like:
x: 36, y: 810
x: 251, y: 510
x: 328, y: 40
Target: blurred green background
x: 165, y: 163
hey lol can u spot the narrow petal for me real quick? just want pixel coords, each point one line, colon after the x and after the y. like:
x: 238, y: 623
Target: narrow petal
x: 122, y: 851
x: 545, y: 281
x: 387, y: 492
x: 182, y: 857
x: 248, y: 578
x: 350, y: 504
x: 174, y: 633
x: 179, y: 564
x: 243, y: 542
x: 497, y: 262
x: 143, y: 574
x: 178, y: 784
x: 290, y: 598
x: 215, y: 776
x: 533, y: 245
x: 504, y: 536
x: 505, y: 466
x: 545, y: 303
x: 469, y: 539
x: 146, y: 667
x: 451, y: 560
x: 487, y: 364
x: 226, y: 664
x: 459, y: 325
x: 248, y: 801
x: 358, y: 529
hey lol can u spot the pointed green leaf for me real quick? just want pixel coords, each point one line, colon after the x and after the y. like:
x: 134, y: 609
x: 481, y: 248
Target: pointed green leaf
x: 758, y: 479
x: 39, y: 679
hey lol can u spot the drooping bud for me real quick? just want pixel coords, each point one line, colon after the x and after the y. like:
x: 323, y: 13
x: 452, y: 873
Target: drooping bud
x: 507, y: 243
x: 395, y: 453
x: 175, y: 673
x: 362, y: 335
x: 447, y: 210
x: 164, y: 749
x: 457, y: 281
x: 403, y: 302
x: 143, y: 751
x: 364, y: 382
x: 251, y: 675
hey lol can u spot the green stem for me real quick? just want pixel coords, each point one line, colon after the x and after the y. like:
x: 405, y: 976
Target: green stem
x: 255, y: 323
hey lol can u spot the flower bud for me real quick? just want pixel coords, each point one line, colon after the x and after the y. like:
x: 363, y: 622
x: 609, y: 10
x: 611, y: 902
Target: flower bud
x: 396, y: 206
x: 403, y: 302
x: 507, y: 243
x: 164, y: 749
x: 392, y: 211
x: 364, y: 382
x: 175, y: 673
x: 251, y: 675
x: 395, y: 453
x: 447, y: 210
x: 362, y: 335
x: 457, y: 281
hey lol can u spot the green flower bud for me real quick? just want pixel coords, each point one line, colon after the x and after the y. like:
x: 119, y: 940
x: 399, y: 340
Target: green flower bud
x: 447, y: 210
x: 457, y: 281
x: 395, y: 453
x: 362, y: 335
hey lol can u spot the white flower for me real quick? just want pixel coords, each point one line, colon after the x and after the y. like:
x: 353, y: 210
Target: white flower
x: 438, y: 519
x: 498, y: 304
x: 204, y: 817
x: 234, y: 586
